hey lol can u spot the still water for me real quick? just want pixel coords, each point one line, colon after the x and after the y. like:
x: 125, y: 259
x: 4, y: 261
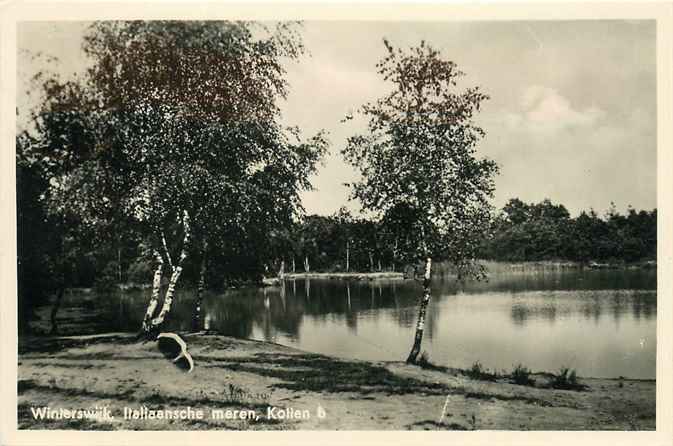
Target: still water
x: 601, y: 323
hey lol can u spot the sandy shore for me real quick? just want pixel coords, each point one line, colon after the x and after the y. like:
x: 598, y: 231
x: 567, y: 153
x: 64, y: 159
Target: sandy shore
x: 290, y: 389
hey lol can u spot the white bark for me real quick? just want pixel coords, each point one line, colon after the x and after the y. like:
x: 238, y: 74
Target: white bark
x: 153, y: 324
x: 156, y: 287
x: 420, y: 326
x: 168, y: 299
x: 348, y: 252
x: 202, y: 283
x: 166, y: 253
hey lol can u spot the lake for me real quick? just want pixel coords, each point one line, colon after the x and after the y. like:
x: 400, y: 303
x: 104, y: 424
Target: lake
x: 601, y: 323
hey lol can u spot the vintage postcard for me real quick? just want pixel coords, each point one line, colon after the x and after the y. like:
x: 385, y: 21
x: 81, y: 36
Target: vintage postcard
x: 445, y: 219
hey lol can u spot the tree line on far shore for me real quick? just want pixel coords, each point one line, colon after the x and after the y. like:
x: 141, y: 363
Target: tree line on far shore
x: 545, y: 231
x: 341, y: 242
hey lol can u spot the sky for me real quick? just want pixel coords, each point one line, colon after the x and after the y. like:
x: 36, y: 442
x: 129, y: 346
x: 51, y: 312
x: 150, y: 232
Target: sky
x: 571, y: 115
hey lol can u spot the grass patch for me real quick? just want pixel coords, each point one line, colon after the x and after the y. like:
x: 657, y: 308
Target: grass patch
x: 567, y: 379
x: 521, y: 376
x: 424, y: 363
x: 479, y: 372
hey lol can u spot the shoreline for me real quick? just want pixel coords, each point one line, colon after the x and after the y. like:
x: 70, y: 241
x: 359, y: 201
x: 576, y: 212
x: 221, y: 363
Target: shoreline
x: 351, y: 276
x: 114, y: 370
x: 383, y: 275
x: 492, y: 267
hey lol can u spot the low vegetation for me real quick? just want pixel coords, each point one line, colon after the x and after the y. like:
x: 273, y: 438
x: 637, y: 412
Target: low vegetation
x: 478, y: 371
x: 522, y: 375
x: 567, y: 379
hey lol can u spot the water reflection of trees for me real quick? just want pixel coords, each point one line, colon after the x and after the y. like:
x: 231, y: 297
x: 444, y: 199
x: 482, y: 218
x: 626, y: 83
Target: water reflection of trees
x: 638, y: 279
x: 591, y: 305
x: 281, y: 310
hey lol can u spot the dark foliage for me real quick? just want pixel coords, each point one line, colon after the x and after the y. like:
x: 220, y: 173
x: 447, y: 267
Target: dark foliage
x: 545, y: 231
x: 521, y: 375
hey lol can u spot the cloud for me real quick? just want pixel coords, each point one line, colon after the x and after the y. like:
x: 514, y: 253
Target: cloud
x: 545, y: 110
x: 548, y: 147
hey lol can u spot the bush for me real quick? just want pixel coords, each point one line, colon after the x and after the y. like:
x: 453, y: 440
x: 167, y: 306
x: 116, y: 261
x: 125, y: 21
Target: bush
x: 477, y: 371
x: 521, y: 375
x: 567, y: 380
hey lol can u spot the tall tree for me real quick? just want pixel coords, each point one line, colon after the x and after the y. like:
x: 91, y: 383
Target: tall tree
x: 182, y: 118
x: 419, y: 153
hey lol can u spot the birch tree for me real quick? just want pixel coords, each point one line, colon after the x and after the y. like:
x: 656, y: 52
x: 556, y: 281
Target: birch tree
x: 418, y: 158
x: 183, y: 118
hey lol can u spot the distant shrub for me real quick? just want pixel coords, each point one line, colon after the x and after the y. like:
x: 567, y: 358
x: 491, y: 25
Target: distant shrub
x: 567, y: 380
x: 521, y: 375
x: 478, y: 371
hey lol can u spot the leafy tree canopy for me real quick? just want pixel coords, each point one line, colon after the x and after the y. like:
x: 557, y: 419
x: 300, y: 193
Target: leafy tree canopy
x: 173, y: 117
x: 418, y: 156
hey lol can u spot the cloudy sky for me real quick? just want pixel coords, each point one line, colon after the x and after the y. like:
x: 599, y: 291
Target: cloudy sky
x: 572, y: 114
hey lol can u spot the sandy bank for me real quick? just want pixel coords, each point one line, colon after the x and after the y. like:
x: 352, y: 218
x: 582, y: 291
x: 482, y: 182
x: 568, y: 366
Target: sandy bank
x: 117, y: 372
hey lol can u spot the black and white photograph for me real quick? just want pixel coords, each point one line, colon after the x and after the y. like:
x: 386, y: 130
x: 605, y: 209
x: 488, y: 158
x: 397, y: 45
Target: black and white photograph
x: 338, y: 224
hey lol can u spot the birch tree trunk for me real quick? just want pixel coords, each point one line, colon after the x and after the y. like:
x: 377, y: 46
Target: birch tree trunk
x: 153, y: 325
x: 156, y: 288
x: 119, y: 264
x: 348, y: 252
x: 294, y: 269
x: 423, y: 306
x: 371, y: 262
x: 200, y: 287
x: 281, y: 271
x: 177, y: 270
x: 168, y: 298
x: 306, y: 265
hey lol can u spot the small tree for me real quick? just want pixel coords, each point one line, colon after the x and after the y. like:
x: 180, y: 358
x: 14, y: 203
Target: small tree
x: 418, y: 156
